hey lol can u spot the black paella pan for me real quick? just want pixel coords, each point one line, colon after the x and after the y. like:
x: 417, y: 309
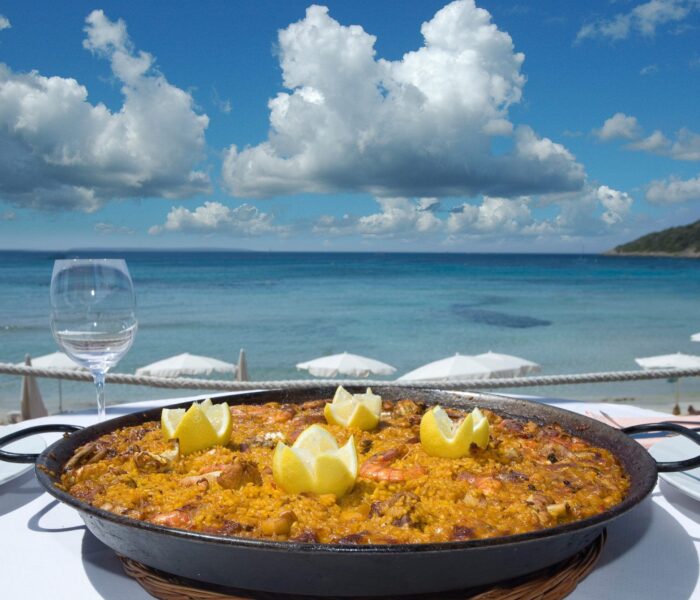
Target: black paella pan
x: 364, y: 570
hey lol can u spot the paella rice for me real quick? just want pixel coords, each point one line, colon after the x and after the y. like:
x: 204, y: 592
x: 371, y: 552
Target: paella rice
x: 529, y: 477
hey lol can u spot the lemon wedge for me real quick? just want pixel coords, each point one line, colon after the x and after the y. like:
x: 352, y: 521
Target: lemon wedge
x: 481, y: 428
x: 314, y: 463
x: 440, y: 436
x: 200, y: 426
x: 360, y: 411
x: 169, y: 420
x: 219, y: 416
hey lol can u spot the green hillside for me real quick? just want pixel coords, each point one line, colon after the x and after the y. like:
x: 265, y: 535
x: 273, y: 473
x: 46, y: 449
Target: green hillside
x: 681, y: 241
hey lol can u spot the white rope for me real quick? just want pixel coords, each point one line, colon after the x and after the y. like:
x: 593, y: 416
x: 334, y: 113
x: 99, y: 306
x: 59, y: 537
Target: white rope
x: 224, y: 385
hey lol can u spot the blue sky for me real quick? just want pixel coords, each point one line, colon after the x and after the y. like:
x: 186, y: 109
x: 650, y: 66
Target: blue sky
x: 389, y: 125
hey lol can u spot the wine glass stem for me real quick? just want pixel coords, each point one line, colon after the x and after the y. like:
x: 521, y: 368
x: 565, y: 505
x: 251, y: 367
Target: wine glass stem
x: 99, y: 378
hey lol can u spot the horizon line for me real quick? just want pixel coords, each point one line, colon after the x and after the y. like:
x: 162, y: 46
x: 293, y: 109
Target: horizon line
x: 202, y: 249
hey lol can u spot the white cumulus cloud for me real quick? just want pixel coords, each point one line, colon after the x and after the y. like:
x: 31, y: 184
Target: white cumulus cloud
x: 643, y: 19
x: 618, y: 126
x: 685, y: 145
x: 398, y: 216
x: 493, y: 215
x: 419, y: 126
x: 616, y: 204
x: 656, y: 143
x: 591, y: 211
x: 57, y: 150
x: 4, y: 22
x: 673, y: 190
x: 213, y: 217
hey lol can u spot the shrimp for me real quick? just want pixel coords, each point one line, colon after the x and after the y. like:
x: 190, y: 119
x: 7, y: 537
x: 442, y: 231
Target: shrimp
x: 378, y: 467
x: 486, y: 484
x: 175, y: 518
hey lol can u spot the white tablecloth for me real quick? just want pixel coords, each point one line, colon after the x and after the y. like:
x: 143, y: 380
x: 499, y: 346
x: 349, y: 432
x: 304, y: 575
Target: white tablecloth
x: 46, y: 551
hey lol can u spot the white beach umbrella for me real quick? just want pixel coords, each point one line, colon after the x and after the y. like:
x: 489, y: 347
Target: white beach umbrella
x: 186, y: 364
x: 695, y: 337
x: 506, y: 365
x: 346, y: 364
x: 61, y: 362
x: 670, y: 361
x: 459, y: 366
x: 56, y: 360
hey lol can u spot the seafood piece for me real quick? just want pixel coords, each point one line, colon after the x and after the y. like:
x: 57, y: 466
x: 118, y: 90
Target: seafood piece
x: 208, y: 478
x: 121, y: 510
x: 462, y: 532
x: 307, y: 536
x: 268, y: 439
x: 361, y: 537
x: 311, y: 417
x: 540, y: 503
x: 486, y: 484
x: 270, y: 413
x: 182, y: 517
x: 512, y: 454
x: 400, y: 508
x: 175, y: 518
x: 312, y: 405
x: 512, y: 476
x: 149, y: 462
x: 406, y: 408
x: 238, y: 474
x: 281, y: 525
x: 87, y: 490
x: 379, y: 467
x: 228, y: 476
x: 89, y: 453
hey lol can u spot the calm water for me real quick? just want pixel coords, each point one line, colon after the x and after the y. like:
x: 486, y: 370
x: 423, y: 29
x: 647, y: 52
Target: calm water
x: 569, y: 313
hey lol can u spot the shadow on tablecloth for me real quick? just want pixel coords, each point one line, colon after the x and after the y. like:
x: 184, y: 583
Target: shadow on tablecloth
x: 46, y: 521
x: 104, y: 570
x: 19, y: 491
x: 680, y: 501
x: 648, y: 555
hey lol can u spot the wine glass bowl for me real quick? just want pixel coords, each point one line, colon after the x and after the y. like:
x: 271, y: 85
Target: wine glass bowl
x: 93, y: 314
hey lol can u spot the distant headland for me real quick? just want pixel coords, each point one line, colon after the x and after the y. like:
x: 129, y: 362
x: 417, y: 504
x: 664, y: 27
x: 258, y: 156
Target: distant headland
x: 681, y: 242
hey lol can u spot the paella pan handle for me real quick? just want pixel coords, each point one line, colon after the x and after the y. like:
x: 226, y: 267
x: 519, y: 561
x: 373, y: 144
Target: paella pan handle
x: 14, y: 457
x: 668, y: 467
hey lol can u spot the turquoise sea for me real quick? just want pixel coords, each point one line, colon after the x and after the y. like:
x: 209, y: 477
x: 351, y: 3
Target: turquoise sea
x: 570, y: 313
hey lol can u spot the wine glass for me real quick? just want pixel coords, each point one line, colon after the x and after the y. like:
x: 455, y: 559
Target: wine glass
x: 93, y: 316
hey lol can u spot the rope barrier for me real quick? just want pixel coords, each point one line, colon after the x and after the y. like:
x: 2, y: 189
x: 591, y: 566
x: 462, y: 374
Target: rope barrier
x: 452, y: 384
